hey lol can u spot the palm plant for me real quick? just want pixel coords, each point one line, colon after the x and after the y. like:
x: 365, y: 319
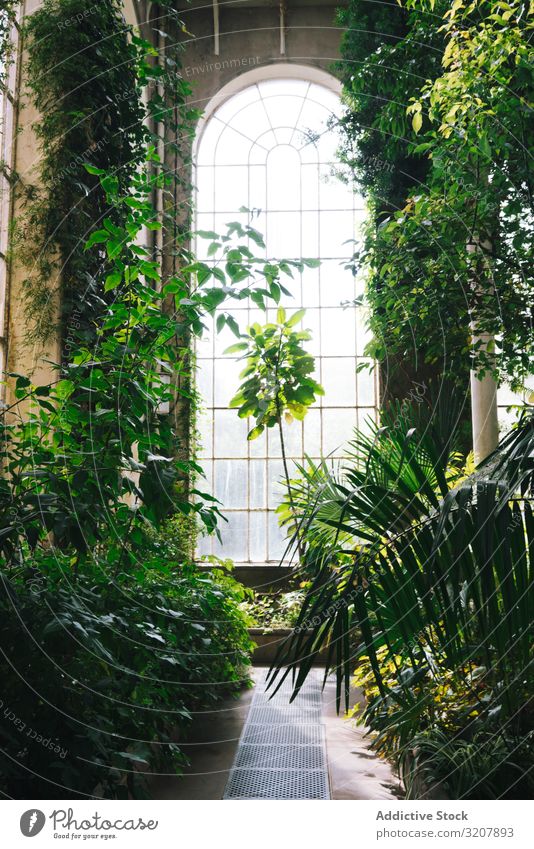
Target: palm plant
x: 434, y: 580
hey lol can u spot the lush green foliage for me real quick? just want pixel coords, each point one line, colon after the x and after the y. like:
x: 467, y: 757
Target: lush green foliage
x: 91, y: 457
x: 396, y: 474
x: 109, y: 639
x: 438, y: 585
x: 270, y: 611
x: 442, y: 146
x: 101, y: 677
x: 90, y: 111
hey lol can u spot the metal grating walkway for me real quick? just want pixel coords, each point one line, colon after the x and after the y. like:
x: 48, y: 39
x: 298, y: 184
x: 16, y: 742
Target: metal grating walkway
x: 281, y: 752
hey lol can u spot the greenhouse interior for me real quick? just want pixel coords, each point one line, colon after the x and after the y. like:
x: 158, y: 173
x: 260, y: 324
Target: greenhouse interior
x: 267, y: 400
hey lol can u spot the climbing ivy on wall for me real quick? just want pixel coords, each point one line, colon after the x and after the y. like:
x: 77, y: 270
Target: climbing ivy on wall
x: 103, y: 103
x: 7, y: 15
x: 113, y: 101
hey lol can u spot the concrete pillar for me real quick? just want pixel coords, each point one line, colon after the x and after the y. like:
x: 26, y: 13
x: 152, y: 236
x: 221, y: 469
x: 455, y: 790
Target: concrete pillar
x: 484, y: 410
x: 483, y: 390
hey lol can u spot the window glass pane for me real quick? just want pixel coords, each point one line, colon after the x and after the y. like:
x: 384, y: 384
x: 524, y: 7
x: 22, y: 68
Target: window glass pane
x: 231, y: 110
x: 257, y: 447
x: 231, y: 187
x: 283, y: 109
x: 292, y: 440
x: 339, y: 378
x: 208, y: 142
x: 230, y: 479
x: 338, y: 427
x: 335, y: 230
x: 257, y: 177
x: 232, y: 147
x: 275, y: 475
x: 230, y: 434
x: 366, y: 387
x: 205, y: 183
x: 306, y: 148
x: 204, y: 221
x: 258, y: 536
x: 205, y: 546
x: 226, y: 337
x: 310, y: 234
x: 205, y: 431
x: 226, y: 380
x: 253, y: 122
x: 365, y: 419
x: 258, y: 484
x: 325, y: 98
x: 205, y: 481
x: 337, y: 284
x: 277, y: 539
x: 338, y: 332
x: 205, y: 381
x: 310, y: 186
x: 234, y: 534
x: 312, y: 322
x: 334, y: 194
x: 283, y: 178
x: 261, y: 147
x: 283, y: 234
x: 310, y: 288
x: 363, y: 332
x: 312, y: 433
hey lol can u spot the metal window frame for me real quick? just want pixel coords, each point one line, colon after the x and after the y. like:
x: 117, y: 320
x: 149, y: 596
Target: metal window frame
x: 209, y: 456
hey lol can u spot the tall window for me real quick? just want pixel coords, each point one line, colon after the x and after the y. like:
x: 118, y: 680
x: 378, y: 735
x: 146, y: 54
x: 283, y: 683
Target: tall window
x: 269, y: 147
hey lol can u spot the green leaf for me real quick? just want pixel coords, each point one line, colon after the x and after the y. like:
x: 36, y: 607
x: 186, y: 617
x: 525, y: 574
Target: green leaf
x: 112, y: 281
x: 417, y: 121
x: 234, y: 349
x: 96, y: 238
x: 255, y: 432
x: 92, y: 169
x: 295, y: 318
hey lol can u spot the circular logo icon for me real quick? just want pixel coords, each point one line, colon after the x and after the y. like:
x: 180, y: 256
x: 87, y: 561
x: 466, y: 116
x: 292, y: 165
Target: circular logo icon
x: 32, y: 822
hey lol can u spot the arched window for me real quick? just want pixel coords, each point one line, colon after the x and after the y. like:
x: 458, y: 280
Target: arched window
x: 269, y: 146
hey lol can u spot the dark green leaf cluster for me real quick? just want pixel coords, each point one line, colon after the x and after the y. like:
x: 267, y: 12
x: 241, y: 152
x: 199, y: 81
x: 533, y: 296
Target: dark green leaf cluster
x: 93, y: 455
x: 101, y: 680
x: 438, y: 134
x: 432, y: 589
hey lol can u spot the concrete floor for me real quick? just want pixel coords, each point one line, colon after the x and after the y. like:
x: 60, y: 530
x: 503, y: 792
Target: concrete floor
x: 355, y: 772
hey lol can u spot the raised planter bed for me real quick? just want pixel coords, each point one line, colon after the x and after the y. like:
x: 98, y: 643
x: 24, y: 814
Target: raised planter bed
x: 268, y: 644
x: 260, y: 578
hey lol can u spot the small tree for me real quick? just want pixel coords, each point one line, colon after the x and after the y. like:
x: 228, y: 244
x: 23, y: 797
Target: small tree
x: 277, y: 382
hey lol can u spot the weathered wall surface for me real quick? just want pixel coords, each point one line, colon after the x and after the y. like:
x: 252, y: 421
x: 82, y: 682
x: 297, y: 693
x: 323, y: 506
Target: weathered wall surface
x: 250, y: 36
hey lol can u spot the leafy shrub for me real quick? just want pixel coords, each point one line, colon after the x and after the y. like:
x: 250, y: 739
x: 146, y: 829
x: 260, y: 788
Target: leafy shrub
x: 489, y: 765
x: 101, y: 677
x: 270, y: 611
x: 433, y: 593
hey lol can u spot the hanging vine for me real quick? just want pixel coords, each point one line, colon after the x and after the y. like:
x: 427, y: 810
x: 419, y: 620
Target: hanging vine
x: 104, y: 104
